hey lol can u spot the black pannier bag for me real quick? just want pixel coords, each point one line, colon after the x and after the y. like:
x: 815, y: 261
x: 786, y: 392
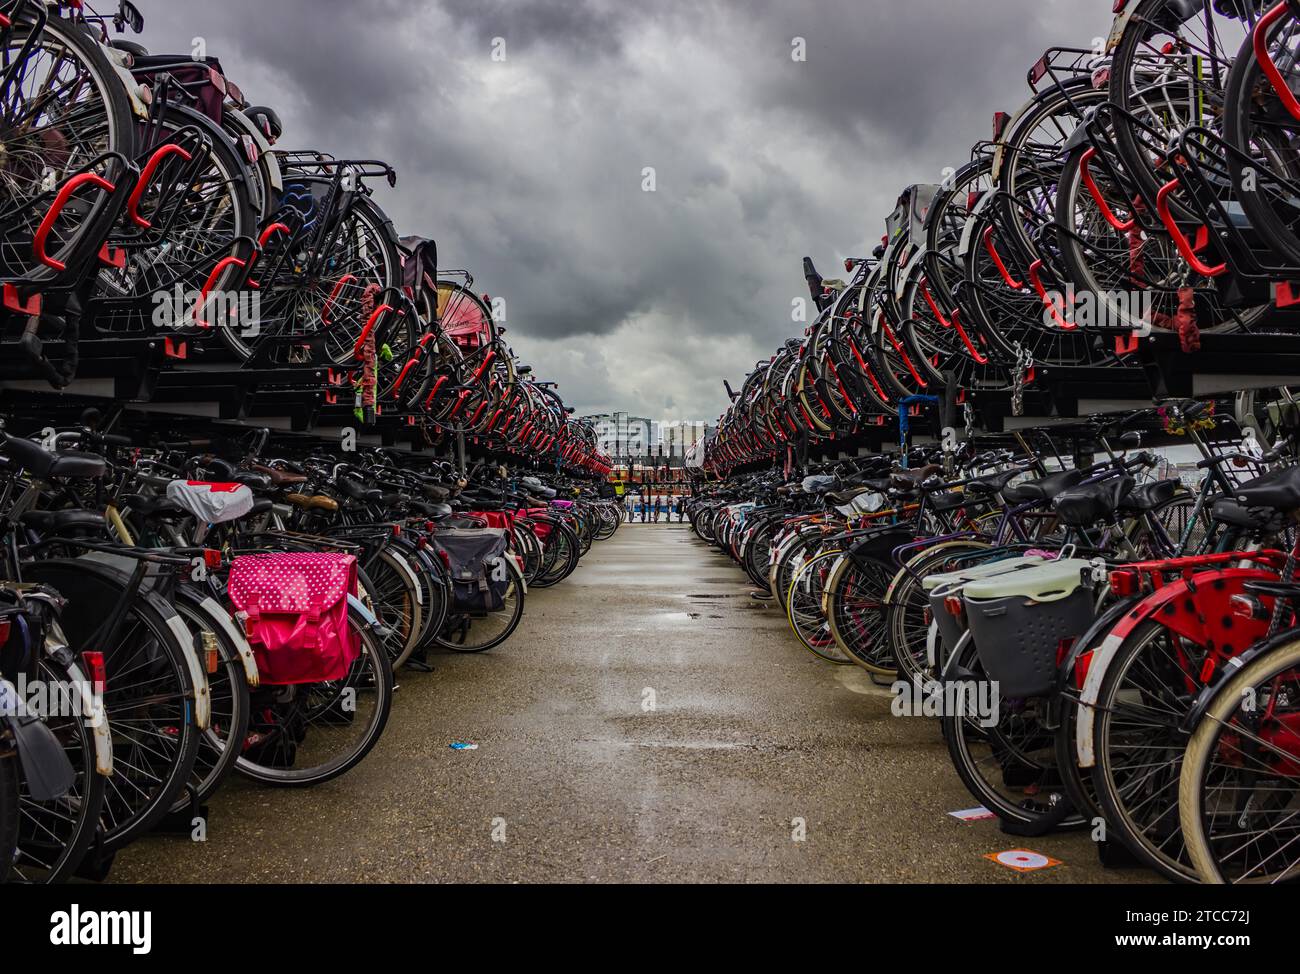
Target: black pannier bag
x: 475, y: 559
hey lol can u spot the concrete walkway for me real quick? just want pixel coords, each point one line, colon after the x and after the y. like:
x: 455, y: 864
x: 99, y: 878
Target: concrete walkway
x: 649, y: 721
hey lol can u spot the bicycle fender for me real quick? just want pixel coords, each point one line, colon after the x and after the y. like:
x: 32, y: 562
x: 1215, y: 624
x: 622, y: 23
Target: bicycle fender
x: 214, y: 609
x: 405, y: 567
x: 92, y: 705
x: 198, y: 673
x: 1177, y: 612
x: 879, y: 547
x: 1228, y: 671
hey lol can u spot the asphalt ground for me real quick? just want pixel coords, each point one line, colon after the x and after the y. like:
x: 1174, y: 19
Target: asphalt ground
x: 648, y: 722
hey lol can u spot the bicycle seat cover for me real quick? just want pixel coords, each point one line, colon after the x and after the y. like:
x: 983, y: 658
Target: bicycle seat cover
x: 214, y: 503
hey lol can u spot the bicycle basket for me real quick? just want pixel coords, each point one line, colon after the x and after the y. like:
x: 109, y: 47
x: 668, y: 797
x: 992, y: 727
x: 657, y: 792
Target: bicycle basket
x: 1019, y: 622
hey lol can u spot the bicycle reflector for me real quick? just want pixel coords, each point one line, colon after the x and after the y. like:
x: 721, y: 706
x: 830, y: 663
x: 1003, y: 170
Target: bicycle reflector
x: 954, y: 606
x: 95, y: 669
x: 211, y: 657
x: 1124, y: 583
x: 1119, y: 6
x: 212, y: 557
x: 1063, y: 648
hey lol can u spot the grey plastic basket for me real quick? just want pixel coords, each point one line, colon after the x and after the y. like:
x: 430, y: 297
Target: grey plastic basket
x: 1017, y: 635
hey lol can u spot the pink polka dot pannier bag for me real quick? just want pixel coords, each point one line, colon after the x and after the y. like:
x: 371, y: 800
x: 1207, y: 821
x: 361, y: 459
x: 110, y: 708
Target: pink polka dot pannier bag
x: 294, y: 611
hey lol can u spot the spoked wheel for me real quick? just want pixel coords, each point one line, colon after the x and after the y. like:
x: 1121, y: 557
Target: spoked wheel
x: 395, y: 593
x: 52, y: 836
x: 474, y: 632
x: 229, y: 694
x: 803, y: 608
x: 907, y: 611
x: 308, y: 733
x: 1003, y: 750
x: 562, y: 541
x: 64, y: 108
x: 1239, y: 789
x: 855, y: 608
x: 1139, y: 742
x: 150, y: 696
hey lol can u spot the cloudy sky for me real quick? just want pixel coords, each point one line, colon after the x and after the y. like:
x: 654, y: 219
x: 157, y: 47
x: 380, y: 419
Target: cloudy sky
x: 521, y: 131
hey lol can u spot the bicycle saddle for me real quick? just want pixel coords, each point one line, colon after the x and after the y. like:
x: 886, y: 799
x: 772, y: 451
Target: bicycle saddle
x: 151, y: 506
x: 57, y: 522
x: 1148, y: 497
x: 314, y: 502
x: 1085, y: 505
x: 1225, y: 510
x: 1278, y: 489
x: 357, y: 491
x: 279, y: 478
x: 842, y: 497
x: 1044, y: 488
x: 44, y: 465
x: 990, y: 484
x: 907, y: 477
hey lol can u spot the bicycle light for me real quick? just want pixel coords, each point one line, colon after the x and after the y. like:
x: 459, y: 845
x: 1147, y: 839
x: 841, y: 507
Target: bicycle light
x: 1124, y: 583
x: 95, y: 669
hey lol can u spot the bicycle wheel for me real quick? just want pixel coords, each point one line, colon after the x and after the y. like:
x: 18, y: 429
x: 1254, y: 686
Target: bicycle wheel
x: 396, y: 599
x: 1239, y: 787
x: 474, y: 632
x: 306, y: 734
x: 907, y: 604
x: 151, y: 697
x: 854, y: 601
x: 1139, y: 744
x: 1003, y: 750
x: 803, y: 608
x: 228, y: 692
x: 64, y: 108
x: 53, y: 836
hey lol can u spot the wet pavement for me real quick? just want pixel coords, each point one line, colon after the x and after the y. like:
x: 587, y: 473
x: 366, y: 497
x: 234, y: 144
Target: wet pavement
x: 648, y: 722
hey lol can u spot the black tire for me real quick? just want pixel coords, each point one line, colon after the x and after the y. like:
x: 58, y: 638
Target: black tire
x: 999, y: 764
x: 458, y: 633
x: 152, y: 718
x: 53, y: 836
x: 320, y: 706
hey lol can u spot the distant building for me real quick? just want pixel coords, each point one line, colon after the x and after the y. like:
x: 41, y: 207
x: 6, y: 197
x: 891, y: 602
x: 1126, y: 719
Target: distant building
x: 621, y: 434
x: 678, y: 437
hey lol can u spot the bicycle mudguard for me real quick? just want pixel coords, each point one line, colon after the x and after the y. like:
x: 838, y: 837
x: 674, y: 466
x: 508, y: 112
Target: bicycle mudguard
x: 56, y: 646
x: 46, y: 768
x: 879, y: 547
x: 1229, y: 670
x: 222, y: 618
x: 1087, y: 642
x: 1201, y: 619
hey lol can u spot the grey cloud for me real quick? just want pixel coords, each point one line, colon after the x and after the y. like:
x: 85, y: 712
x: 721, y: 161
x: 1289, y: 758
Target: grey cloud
x: 528, y: 172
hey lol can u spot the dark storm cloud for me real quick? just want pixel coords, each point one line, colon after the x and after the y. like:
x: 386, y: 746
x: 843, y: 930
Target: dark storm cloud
x: 529, y: 171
